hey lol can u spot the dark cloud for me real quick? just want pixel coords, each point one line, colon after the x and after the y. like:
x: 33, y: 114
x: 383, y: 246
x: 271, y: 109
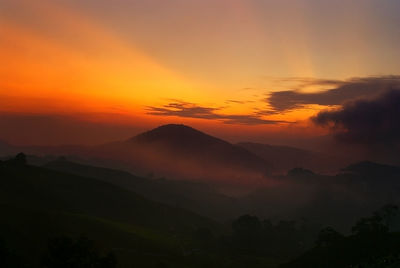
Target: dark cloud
x: 191, y: 110
x: 367, y: 121
x: 343, y: 91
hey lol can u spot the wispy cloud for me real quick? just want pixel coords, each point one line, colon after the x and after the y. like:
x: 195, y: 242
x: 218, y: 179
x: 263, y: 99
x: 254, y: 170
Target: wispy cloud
x: 192, y: 110
x: 239, y: 101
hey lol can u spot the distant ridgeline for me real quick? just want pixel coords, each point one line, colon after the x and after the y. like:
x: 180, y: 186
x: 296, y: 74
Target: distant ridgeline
x: 72, y: 214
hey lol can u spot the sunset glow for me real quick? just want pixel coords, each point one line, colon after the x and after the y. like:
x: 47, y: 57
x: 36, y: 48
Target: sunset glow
x: 200, y: 133
x: 130, y: 58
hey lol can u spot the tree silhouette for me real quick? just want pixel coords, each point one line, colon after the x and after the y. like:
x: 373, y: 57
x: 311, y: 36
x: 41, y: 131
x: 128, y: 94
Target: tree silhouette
x: 247, y: 231
x: 328, y: 236
x: 8, y: 258
x: 64, y: 252
x: 380, y: 222
x: 388, y: 213
x: 371, y: 225
x: 247, y: 225
x: 204, y: 238
x: 20, y: 159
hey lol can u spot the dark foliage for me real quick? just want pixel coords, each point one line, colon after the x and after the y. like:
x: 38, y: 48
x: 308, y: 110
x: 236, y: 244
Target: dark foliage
x: 8, y: 258
x: 328, y: 237
x: 18, y: 160
x: 371, y: 245
x: 64, y: 252
x: 251, y: 236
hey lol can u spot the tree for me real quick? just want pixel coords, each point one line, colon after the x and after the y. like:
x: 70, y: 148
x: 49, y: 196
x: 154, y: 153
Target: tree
x: 64, y: 252
x: 380, y: 222
x: 247, y: 225
x: 8, y: 258
x: 247, y: 233
x: 388, y: 213
x: 371, y: 225
x: 20, y: 159
x: 328, y: 236
x: 204, y: 237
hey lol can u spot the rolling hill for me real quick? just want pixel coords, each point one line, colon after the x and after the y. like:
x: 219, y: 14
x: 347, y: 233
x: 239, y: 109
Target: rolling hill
x: 194, y: 196
x: 38, y: 203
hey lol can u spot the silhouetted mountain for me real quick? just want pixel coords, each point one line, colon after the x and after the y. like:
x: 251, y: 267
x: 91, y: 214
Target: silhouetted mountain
x: 181, y: 152
x: 190, y: 143
x: 284, y: 158
x: 196, y: 197
x: 171, y: 151
x: 373, y: 169
x: 40, y: 187
x: 179, y: 136
x: 373, y: 177
x: 38, y: 203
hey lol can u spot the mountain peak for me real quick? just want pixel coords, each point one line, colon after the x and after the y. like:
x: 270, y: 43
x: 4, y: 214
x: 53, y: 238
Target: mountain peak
x: 175, y: 133
x: 173, y: 128
x: 184, y: 144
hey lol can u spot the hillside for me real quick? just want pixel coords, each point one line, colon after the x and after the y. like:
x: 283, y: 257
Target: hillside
x: 196, y: 197
x: 181, y: 152
x: 172, y: 151
x: 38, y: 203
x: 188, y: 143
x: 369, y: 250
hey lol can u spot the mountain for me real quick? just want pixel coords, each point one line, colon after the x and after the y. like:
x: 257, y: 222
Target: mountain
x: 284, y: 158
x: 181, y: 152
x: 194, y: 196
x: 189, y: 143
x: 172, y: 151
x: 369, y: 168
x: 373, y: 176
x: 44, y: 188
x: 37, y: 204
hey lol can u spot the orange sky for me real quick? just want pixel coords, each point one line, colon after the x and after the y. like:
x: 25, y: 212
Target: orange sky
x: 110, y: 61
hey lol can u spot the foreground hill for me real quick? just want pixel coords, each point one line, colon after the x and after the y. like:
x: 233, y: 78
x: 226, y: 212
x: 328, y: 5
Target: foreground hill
x: 38, y: 203
x: 194, y: 196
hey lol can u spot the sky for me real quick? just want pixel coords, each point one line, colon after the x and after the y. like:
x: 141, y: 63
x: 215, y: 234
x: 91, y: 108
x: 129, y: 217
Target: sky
x: 93, y: 71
